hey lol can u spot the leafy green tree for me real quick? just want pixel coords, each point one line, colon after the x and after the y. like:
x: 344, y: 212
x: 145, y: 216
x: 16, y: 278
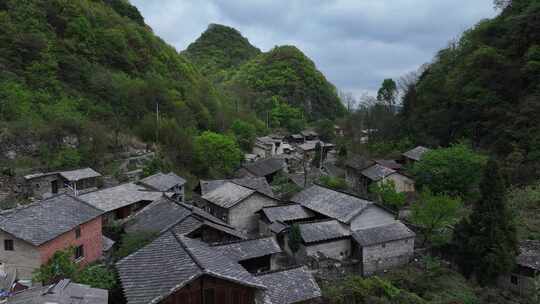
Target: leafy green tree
x: 487, y: 240
x: 245, y: 134
x: 217, y: 154
x: 295, y: 238
x: 386, y: 193
x: 326, y: 130
x: 388, y: 92
x: 436, y: 214
x: 59, y: 266
x: 456, y: 170
x: 97, y: 276
x: 286, y: 116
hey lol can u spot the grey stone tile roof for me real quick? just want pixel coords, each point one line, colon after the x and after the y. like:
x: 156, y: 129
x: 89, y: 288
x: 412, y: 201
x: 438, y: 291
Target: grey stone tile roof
x: 172, y: 261
x: 309, y: 133
x: 157, y: 270
x: 377, y: 172
x: 113, y: 198
x: 291, y: 286
x: 277, y: 227
x: 382, y: 234
x: 323, y: 231
x: 331, y: 203
x: 285, y: 213
x: 228, y: 195
x: 79, y: 174
x: 265, y: 167
x: 165, y: 213
x: 389, y: 163
x: 45, y: 220
x: 416, y: 153
x: 312, y: 144
x: 158, y: 216
x: 63, y: 292
x: 162, y: 182
x: 249, y: 249
x: 529, y: 254
x: 358, y: 162
x: 255, y: 183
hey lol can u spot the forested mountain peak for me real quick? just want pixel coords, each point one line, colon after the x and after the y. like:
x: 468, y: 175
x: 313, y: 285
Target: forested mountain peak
x: 219, y: 49
x: 287, y: 73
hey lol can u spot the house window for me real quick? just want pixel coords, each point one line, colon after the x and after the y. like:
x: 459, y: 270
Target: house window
x: 78, y: 232
x: 514, y: 280
x: 8, y: 245
x: 209, y: 296
x: 79, y: 252
x: 383, y: 245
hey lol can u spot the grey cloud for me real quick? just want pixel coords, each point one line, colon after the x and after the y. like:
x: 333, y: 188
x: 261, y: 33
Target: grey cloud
x: 356, y: 43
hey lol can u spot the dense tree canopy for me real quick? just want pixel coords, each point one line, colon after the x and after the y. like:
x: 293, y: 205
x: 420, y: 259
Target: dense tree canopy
x: 456, y: 170
x: 216, y: 154
x: 485, y: 87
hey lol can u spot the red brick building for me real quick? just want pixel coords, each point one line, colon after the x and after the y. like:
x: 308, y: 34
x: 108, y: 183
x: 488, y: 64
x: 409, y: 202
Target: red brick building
x: 29, y: 236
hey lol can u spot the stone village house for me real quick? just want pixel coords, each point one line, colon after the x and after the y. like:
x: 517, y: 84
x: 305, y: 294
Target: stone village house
x: 348, y: 227
x: 379, y: 174
x: 43, y: 185
x: 63, y: 292
x: 30, y: 235
x: 267, y: 168
x: 237, y: 205
x: 191, y: 221
x: 525, y: 278
x: 169, y: 183
x: 174, y: 269
x: 121, y: 201
x: 414, y: 155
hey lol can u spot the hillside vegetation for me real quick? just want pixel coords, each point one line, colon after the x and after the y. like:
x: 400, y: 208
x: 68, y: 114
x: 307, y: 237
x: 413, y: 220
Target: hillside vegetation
x: 218, y: 50
x: 485, y: 87
x: 257, y: 81
x: 73, y: 67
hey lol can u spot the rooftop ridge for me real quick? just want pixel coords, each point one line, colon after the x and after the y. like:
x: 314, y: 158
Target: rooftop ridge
x: 285, y: 204
x: 217, y: 244
x: 258, y: 274
x: 191, y: 255
x: 316, y: 183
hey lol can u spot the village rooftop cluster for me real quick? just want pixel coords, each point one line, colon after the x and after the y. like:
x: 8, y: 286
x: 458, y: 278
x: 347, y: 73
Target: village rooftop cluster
x: 231, y: 242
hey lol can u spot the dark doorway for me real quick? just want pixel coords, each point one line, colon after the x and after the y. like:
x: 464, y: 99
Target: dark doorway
x: 54, y: 186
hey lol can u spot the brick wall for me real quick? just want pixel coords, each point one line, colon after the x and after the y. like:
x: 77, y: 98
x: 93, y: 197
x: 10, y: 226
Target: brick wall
x: 91, y: 239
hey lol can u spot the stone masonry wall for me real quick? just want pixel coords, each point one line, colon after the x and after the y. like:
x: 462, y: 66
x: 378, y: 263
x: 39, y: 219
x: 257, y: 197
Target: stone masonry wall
x: 381, y: 257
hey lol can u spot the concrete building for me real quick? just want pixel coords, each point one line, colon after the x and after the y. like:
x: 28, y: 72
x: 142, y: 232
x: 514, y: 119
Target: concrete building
x: 63, y: 292
x: 121, y: 201
x: 176, y: 269
x: 30, y: 235
x: 237, y: 206
x: 75, y: 182
x: 525, y: 278
x: 170, y: 184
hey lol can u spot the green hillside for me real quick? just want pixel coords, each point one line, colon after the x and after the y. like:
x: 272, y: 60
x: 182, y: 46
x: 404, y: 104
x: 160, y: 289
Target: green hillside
x: 255, y: 80
x: 80, y: 67
x: 286, y: 73
x: 219, y: 49
x: 486, y: 88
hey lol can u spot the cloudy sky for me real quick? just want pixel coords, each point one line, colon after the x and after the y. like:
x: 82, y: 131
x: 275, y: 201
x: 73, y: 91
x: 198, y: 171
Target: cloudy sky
x: 356, y: 43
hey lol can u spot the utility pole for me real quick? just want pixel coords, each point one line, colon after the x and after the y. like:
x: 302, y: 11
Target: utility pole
x: 157, y: 122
